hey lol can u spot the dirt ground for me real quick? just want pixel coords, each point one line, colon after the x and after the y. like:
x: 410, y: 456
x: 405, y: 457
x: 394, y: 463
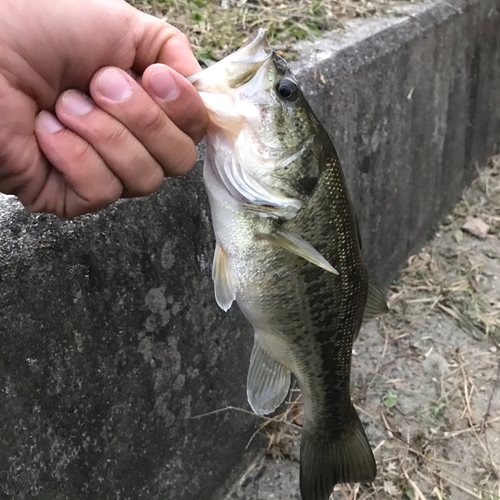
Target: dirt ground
x: 425, y: 377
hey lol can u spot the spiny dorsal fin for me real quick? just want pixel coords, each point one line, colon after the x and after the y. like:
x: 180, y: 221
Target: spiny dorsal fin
x: 375, y: 303
x: 225, y: 291
x: 268, y: 381
x: 324, y: 463
x: 299, y: 247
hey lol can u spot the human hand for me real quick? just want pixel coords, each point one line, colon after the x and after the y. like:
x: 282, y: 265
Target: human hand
x: 120, y: 143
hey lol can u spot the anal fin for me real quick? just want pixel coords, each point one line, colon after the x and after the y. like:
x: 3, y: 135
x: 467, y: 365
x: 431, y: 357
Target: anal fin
x: 224, y: 288
x: 376, y: 304
x: 268, y: 381
x: 325, y: 463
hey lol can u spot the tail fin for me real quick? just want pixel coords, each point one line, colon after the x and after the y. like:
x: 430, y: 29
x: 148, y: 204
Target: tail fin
x: 323, y: 464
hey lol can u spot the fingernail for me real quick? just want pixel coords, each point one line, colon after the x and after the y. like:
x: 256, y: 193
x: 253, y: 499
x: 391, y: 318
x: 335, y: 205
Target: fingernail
x: 48, y: 122
x: 163, y: 84
x: 76, y: 103
x: 113, y: 85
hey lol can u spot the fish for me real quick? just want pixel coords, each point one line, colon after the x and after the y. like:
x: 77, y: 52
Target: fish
x: 288, y: 252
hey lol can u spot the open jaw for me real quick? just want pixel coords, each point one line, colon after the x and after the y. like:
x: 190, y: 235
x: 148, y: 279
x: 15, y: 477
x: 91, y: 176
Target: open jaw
x: 236, y: 69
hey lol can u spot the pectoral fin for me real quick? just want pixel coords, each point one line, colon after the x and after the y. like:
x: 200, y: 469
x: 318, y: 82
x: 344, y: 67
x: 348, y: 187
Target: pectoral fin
x: 225, y: 291
x: 268, y: 381
x: 375, y: 303
x: 268, y: 211
x: 299, y: 247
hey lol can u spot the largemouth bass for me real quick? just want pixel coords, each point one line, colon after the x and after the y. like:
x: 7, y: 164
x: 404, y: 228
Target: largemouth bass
x: 288, y: 250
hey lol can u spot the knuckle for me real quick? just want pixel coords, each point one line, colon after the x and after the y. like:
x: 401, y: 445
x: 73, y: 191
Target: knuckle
x: 182, y: 38
x: 99, y: 200
x: 104, y: 194
x: 186, y: 162
x: 80, y: 152
x: 104, y: 201
x: 171, y: 32
x: 114, y: 136
x: 198, y: 131
x: 107, y: 195
x: 151, y: 120
x: 44, y: 200
x: 18, y: 166
x: 148, y: 185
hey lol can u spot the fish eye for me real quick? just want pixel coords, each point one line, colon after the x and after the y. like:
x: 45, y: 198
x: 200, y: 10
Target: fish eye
x: 288, y: 89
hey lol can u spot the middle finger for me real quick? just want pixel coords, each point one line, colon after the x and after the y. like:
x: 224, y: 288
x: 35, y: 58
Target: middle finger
x: 121, y: 96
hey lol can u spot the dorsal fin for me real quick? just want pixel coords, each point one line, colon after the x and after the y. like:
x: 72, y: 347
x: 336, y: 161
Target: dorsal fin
x: 376, y: 304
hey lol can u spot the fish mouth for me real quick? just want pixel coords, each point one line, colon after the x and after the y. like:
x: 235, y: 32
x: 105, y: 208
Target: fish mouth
x: 236, y: 69
x: 255, y: 39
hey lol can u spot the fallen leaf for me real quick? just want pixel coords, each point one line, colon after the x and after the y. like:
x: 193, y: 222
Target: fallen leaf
x: 476, y: 226
x: 459, y: 236
x: 492, y: 254
x: 390, y: 399
x: 296, y: 412
x: 390, y: 488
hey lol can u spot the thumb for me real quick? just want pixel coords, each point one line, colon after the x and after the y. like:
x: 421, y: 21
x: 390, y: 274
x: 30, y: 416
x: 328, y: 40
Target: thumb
x: 158, y: 42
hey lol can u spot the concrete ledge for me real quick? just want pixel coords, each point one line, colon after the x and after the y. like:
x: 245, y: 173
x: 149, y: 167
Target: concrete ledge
x: 110, y: 337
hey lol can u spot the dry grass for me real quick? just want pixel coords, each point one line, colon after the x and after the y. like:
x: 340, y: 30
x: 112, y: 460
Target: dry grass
x: 216, y: 27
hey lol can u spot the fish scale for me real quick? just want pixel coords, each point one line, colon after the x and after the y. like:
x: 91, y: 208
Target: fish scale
x: 334, y: 325
x: 288, y: 252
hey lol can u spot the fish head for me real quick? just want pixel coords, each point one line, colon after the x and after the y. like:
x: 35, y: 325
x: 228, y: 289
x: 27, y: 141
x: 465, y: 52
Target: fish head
x: 259, y: 113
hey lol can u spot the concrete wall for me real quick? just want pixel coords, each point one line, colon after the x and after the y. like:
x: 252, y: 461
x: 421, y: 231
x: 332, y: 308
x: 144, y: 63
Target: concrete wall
x: 110, y: 339
x: 412, y: 105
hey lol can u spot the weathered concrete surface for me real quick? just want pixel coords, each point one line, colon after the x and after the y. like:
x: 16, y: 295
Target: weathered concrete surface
x: 110, y: 342
x: 110, y: 336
